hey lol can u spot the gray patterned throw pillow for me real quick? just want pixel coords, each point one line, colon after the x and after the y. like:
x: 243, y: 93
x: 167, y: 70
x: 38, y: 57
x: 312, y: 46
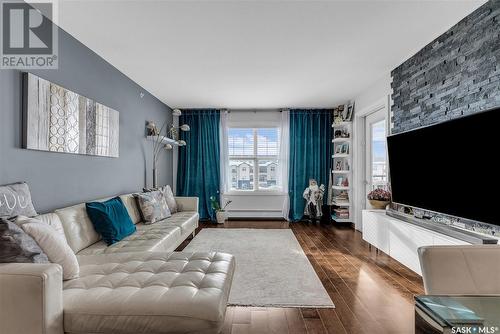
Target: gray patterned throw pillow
x: 153, y: 206
x: 16, y: 246
x: 15, y: 200
x: 169, y: 197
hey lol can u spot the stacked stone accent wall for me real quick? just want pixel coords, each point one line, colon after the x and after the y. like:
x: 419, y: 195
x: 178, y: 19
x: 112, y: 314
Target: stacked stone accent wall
x: 455, y: 75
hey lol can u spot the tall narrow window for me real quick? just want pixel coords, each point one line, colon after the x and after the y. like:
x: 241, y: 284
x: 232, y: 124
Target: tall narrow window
x: 253, y: 159
x: 376, y: 153
x: 379, y: 155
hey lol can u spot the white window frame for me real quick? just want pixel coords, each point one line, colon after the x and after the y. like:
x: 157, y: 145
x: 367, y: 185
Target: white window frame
x: 255, y: 158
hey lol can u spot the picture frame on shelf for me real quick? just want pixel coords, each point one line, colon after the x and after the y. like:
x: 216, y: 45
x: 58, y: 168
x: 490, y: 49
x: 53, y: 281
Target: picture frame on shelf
x: 338, y: 149
x: 347, y: 115
x: 340, y: 180
x: 338, y: 165
x: 344, y: 148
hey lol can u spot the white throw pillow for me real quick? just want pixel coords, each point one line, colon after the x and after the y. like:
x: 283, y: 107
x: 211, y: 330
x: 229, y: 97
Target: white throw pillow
x: 169, y: 196
x: 52, y: 244
x: 50, y: 219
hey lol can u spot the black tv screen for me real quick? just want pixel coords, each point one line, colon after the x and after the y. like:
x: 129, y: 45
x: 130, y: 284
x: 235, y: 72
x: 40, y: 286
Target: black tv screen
x: 450, y: 167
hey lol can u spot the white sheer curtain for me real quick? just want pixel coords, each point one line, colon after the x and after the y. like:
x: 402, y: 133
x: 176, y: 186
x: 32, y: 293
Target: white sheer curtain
x: 284, y: 157
x: 224, y: 159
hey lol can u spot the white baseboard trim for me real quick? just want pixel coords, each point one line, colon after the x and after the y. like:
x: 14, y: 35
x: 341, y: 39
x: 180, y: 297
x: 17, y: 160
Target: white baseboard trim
x: 255, y: 214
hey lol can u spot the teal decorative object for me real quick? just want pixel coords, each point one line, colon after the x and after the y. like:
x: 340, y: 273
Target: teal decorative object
x: 110, y: 219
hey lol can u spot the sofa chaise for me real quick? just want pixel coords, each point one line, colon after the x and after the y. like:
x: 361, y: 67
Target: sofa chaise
x: 137, y: 285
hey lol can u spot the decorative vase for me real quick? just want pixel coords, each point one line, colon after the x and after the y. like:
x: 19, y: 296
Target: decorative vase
x: 221, y: 217
x: 155, y: 178
x: 376, y: 204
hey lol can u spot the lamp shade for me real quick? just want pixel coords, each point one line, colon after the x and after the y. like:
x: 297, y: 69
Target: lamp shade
x: 181, y: 143
x: 176, y: 112
x: 185, y: 127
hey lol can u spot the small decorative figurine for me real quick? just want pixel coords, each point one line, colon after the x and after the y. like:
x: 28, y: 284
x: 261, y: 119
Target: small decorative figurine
x: 314, y: 199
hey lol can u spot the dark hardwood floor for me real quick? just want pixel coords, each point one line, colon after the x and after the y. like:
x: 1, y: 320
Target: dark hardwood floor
x: 372, y: 293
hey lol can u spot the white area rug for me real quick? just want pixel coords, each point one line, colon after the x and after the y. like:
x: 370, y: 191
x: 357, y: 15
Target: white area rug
x: 271, y: 267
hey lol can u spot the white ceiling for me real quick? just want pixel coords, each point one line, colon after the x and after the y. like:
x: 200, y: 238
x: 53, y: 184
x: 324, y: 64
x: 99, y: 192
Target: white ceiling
x: 258, y: 54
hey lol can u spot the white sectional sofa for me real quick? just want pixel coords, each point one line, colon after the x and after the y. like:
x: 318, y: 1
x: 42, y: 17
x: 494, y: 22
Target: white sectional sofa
x: 138, y: 285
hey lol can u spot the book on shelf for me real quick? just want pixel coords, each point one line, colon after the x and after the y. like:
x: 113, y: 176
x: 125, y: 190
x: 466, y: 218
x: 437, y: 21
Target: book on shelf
x: 341, y: 214
x: 342, y: 196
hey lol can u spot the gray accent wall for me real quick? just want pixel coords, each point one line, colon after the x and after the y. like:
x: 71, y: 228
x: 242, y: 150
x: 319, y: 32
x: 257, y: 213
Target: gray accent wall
x: 61, y: 179
x: 455, y: 75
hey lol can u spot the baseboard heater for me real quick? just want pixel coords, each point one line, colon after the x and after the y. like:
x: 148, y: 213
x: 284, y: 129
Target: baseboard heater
x: 255, y: 214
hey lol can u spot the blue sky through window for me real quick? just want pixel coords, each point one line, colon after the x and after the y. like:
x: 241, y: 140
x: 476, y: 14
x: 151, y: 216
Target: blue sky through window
x: 241, y: 141
x: 379, y: 141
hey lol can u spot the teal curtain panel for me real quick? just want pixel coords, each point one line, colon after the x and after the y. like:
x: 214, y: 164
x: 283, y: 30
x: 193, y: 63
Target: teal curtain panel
x: 198, y: 172
x: 310, y: 154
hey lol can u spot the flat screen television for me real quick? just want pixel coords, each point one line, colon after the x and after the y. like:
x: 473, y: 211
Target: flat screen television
x: 451, y: 167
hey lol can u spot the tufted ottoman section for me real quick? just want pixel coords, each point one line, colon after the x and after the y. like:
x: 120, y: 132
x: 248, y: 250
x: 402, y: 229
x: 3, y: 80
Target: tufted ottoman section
x: 149, y: 293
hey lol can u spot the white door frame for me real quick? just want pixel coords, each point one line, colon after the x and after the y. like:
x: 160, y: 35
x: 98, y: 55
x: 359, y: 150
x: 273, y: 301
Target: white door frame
x: 359, y: 163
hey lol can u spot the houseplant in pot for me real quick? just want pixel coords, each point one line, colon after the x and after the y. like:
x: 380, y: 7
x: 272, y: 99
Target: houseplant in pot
x: 220, y: 212
x: 379, y: 198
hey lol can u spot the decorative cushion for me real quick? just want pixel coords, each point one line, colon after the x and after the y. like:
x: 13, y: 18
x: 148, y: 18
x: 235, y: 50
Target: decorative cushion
x: 51, y: 219
x: 153, y: 206
x: 15, y: 200
x: 52, y: 244
x: 169, y: 197
x: 17, y: 246
x: 110, y: 219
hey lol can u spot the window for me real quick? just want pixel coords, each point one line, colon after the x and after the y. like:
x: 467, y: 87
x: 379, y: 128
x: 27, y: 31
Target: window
x: 253, y: 155
x: 376, y: 151
x: 379, y: 155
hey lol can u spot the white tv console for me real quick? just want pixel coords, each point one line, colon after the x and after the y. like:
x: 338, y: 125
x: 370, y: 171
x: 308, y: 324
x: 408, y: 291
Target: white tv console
x: 400, y: 239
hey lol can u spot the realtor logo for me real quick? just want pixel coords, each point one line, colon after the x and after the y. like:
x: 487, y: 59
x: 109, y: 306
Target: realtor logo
x: 28, y: 36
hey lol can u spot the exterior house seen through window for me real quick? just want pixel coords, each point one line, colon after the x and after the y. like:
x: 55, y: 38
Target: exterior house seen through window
x: 253, y: 159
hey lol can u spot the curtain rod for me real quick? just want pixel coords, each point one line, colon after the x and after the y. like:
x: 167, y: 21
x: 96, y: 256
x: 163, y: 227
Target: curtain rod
x: 252, y: 110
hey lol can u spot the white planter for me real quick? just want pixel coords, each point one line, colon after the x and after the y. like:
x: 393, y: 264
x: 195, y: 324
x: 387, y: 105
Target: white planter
x: 221, y: 217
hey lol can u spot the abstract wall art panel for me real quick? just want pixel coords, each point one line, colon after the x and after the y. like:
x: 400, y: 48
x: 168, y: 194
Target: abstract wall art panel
x: 59, y: 120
